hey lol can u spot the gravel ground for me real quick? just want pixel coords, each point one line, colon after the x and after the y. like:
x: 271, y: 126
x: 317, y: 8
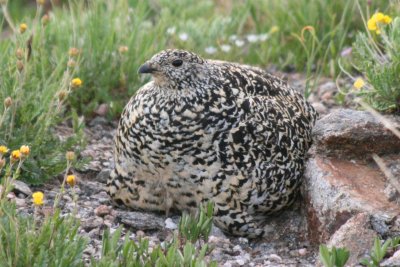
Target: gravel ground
x: 287, y: 245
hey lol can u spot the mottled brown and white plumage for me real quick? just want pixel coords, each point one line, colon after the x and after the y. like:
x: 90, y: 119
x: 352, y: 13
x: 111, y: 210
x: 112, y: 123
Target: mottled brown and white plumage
x: 211, y: 130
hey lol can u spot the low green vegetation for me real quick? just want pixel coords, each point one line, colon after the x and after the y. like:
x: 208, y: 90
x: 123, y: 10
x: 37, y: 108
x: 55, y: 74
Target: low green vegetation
x: 43, y: 48
x: 49, y: 238
x: 379, y: 250
x: 333, y: 257
x: 187, y: 248
x: 376, y: 55
x: 338, y: 257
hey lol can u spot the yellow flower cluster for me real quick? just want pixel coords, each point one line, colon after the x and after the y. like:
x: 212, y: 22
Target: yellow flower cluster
x: 75, y: 83
x: 15, y: 154
x: 3, y: 150
x: 25, y: 150
x: 71, y: 180
x: 359, y: 83
x: 376, y: 20
x: 37, y: 198
x: 23, y: 27
x: 274, y: 29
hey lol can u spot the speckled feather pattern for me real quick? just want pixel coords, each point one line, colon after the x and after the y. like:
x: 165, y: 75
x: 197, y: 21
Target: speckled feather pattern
x: 211, y: 130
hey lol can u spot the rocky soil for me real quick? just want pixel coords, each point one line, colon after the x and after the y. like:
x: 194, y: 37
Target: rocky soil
x: 346, y: 198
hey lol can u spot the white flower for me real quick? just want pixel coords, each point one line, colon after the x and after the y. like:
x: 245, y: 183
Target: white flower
x: 263, y: 37
x: 226, y: 48
x: 239, y: 42
x: 252, y: 38
x: 183, y: 36
x: 210, y: 50
x: 233, y: 38
x: 171, y: 30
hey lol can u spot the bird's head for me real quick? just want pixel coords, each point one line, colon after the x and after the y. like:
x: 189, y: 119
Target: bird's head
x: 177, y: 69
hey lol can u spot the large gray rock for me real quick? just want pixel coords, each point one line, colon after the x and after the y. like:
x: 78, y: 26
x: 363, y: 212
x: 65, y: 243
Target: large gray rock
x: 357, y: 236
x: 21, y: 187
x: 352, y: 133
x: 392, y: 261
x: 140, y: 220
x: 341, y: 179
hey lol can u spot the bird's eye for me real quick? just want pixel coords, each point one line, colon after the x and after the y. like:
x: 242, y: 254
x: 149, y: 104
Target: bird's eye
x: 177, y: 63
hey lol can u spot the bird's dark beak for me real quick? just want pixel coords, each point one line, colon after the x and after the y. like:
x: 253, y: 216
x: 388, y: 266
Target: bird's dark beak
x: 146, y: 68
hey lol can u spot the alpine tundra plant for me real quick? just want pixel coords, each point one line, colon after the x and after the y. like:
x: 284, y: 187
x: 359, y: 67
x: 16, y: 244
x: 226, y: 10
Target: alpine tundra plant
x: 35, y: 88
x: 377, y: 57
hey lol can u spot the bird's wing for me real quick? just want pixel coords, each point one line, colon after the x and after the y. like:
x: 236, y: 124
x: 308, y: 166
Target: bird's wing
x: 255, y: 83
x: 268, y: 145
x: 252, y: 80
x: 273, y: 123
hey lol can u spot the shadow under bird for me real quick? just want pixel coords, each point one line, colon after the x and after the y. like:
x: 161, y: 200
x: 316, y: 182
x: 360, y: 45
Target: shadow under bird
x: 206, y: 130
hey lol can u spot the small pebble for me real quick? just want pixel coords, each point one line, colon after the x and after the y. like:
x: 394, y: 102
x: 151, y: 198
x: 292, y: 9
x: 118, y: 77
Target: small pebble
x: 241, y: 262
x: 102, y: 210
x: 320, y: 108
x: 275, y: 257
x: 243, y: 240
x: 93, y: 233
x: 237, y: 248
x: 140, y: 233
x: 110, y: 217
x: 67, y: 198
x: 11, y: 195
x: 302, y: 251
x: 169, y: 224
x: 107, y: 223
x: 20, y: 202
x: 92, y: 223
x: 327, y: 96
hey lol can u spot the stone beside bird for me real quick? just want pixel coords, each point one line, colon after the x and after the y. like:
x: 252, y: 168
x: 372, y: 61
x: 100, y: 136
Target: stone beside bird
x: 211, y: 130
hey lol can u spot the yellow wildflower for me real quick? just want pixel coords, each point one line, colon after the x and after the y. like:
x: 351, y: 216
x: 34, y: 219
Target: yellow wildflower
x: 274, y: 29
x: 25, y: 150
x: 75, y: 83
x: 359, y: 83
x: 386, y: 19
x: 70, y: 155
x: 376, y: 19
x: 41, y: 2
x: 15, y: 155
x: 23, y: 27
x: 71, y: 180
x: 3, y: 150
x: 37, y: 198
